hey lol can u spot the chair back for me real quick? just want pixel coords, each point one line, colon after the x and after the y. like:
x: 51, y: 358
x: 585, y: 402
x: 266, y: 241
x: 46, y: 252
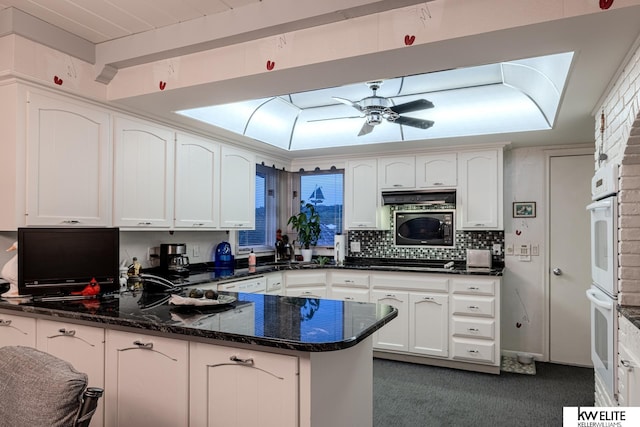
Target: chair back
x: 39, y: 389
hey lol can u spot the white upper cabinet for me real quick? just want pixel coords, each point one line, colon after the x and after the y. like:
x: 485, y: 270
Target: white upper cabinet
x: 362, y: 208
x: 197, y: 182
x: 68, y: 163
x: 396, y: 173
x: 144, y: 174
x: 237, y: 189
x: 479, y: 191
x: 436, y: 170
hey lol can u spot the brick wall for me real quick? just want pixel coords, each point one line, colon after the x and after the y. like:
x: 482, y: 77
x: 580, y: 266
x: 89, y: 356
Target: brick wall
x: 620, y: 141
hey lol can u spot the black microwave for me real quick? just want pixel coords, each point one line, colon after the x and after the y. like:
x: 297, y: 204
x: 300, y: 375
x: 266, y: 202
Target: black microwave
x: 424, y: 228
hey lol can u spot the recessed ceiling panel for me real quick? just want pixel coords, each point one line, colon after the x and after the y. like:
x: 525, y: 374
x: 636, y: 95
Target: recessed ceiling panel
x: 514, y: 96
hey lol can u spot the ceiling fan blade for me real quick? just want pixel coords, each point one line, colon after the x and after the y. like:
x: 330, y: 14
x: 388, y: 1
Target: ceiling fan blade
x: 418, y: 104
x: 366, y: 128
x: 349, y: 103
x: 416, y: 123
x: 334, y: 118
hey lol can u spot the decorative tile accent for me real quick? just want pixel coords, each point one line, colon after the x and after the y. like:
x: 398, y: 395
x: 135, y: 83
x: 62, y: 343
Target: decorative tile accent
x: 510, y: 364
x: 380, y: 244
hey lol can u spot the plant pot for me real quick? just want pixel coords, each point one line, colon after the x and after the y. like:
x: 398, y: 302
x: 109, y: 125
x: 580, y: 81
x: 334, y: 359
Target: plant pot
x: 306, y: 254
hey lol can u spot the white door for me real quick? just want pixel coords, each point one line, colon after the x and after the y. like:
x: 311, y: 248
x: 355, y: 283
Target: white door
x: 569, y: 258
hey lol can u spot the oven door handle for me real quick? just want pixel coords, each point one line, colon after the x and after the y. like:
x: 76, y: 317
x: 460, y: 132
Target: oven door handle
x: 591, y: 294
x: 600, y: 204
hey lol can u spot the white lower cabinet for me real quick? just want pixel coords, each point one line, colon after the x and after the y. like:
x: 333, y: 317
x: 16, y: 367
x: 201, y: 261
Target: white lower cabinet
x: 475, y: 319
x: 349, y: 286
x: 146, y: 380
x: 394, y: 335
x: 628, y: 363
x: 308, y: 284
x: 17, y: 330
x: 80, y: 345
x: 428, y: 327
x: 231, y: 387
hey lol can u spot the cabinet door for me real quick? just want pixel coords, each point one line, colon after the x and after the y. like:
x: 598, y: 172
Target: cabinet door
x: 628, y: 377
x: 144, y: 175
x: 231, y: 387
x: 361, y: 199
x: 197, y: 186
x: 68, y: 163
x: 237, y: 189
x: 396, y: 173
x: 479, y: 193
x: 428, y: 324
x: 146, y: 380
x: 17, y: 330
x: 436, y: 170
x: 82, y: 346
x: 394, y: 335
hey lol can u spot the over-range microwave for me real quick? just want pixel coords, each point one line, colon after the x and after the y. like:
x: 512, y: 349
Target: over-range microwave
x: 424, y: 228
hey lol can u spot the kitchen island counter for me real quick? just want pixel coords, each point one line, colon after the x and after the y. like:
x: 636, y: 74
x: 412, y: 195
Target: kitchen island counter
x: 302, y: 324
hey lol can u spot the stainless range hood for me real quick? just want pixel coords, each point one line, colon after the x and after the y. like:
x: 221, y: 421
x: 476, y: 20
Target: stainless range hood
x: 417, y: 197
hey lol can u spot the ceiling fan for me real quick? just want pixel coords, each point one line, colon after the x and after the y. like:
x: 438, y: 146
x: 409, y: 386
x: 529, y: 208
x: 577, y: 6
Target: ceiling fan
x: 377, y: 108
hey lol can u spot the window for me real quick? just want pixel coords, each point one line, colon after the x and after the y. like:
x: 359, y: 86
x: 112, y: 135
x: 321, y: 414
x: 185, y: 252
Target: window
x: 263, y: 237
x: 325, y: 190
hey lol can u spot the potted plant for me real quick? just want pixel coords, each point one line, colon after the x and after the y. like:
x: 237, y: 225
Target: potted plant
x: 307, y: 225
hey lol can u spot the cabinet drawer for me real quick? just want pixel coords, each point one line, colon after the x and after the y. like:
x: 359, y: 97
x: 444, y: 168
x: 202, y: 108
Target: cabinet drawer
x: 416, y: 282
x: 350, y: 279
x: 477, y: 350
x: 474, y: 328
x: 474, y: 306
x: 474, y: 287
x: 304, y: 278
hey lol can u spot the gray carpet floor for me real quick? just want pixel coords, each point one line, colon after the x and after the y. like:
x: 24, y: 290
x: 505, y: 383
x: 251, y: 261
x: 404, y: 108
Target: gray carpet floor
x: 409, y: 395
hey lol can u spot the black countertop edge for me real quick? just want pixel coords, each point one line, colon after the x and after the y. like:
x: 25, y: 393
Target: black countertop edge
x: 179, y: 331
x: 631, y: 313
x: 371, y: 264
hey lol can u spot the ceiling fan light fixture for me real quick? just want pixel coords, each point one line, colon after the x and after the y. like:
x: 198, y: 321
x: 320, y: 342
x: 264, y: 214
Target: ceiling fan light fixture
x: 374, y: 118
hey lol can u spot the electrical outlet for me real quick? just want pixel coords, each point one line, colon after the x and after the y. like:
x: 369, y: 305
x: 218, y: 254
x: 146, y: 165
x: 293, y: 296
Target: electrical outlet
x: 497, y: 249
x: 355, y: 246
x: 535, y: 250
x: 196, y: 251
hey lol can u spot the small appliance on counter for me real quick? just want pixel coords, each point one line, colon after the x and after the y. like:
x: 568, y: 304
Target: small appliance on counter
x: 173, y: 258
x: 478, y: 258
x: 224, y: 261
x: 339, y: 248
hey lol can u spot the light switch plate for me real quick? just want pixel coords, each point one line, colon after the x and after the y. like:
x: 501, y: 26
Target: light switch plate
x: 509, y: 249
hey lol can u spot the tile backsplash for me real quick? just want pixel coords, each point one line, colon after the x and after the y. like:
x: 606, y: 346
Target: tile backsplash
x: 380, y: 244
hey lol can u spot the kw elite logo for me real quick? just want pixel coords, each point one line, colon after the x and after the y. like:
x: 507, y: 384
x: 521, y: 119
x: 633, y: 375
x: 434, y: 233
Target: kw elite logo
x: 600, y: 417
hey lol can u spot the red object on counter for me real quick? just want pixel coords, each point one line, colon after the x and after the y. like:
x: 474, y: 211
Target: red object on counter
x: 93, y: 288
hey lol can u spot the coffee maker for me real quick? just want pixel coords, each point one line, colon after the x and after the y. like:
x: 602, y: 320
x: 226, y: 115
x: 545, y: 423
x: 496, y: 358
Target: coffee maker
x: 174, y: 259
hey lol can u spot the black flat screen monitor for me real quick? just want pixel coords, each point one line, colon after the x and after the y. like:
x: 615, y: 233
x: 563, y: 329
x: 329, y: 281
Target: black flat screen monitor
x: 58, y: 261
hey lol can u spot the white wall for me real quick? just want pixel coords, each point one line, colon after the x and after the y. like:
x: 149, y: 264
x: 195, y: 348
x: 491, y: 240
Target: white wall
x: 523, y: 284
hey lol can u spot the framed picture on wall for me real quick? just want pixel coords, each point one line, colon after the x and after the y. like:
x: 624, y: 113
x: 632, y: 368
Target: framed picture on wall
x: 524, y: 209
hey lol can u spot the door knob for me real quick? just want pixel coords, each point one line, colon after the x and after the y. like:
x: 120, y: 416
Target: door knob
x: 557, y: 271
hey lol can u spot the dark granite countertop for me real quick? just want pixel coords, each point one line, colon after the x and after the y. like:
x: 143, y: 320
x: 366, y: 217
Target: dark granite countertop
x: 302, y: 324
x: 206, y: 273
x: 632, y: 313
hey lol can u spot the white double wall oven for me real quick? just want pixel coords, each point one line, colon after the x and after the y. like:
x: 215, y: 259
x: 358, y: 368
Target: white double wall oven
x: 603, y: 293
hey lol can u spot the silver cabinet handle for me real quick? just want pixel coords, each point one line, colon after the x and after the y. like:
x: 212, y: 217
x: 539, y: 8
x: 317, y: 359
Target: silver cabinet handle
x: 249, y: 363
x: 71, y: 333
x: 474, y: 351
x: 557, y: 271
x: 7, y: 323
x: 71, y: 221
x: 145, y: 223
x: 473, y: 288
x: 627, y: 364
x: 139, y: 345
x: 473, y: 329
x: 473, y: 307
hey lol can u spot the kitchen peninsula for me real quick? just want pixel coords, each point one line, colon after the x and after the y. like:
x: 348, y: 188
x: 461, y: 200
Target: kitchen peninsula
x: 291, y: 361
